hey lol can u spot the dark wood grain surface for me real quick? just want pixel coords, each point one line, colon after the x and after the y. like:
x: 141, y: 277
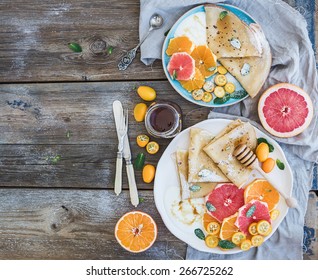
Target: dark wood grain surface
x: 73, y: 224
x: 54, y: 102
x: 35, y: 37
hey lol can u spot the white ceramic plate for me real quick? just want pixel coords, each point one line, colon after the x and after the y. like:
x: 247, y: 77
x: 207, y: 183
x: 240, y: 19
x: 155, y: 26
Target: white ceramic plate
x: 167, y: 190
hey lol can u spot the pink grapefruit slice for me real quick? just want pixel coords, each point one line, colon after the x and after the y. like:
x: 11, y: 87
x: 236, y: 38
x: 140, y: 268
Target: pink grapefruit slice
x: 251, y: 212
x: 181, y: 66
x: 224, y: 201
x: 285, y: 110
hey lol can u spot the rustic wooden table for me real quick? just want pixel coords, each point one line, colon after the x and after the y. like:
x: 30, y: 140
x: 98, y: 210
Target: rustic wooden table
x: 54, y: 102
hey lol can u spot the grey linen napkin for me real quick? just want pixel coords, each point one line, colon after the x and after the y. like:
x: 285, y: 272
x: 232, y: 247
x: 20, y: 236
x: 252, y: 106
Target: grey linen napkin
x: 293, y: 62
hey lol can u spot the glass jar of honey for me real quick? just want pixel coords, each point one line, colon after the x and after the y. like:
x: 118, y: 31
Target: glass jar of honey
x: 163, y: 119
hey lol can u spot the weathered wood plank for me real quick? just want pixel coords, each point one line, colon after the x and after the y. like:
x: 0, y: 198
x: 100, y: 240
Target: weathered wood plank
x: 34, y: 121
x: 43, y: 113
x: 34, y: 40
x: 74, y: 224
x: 80, y: 166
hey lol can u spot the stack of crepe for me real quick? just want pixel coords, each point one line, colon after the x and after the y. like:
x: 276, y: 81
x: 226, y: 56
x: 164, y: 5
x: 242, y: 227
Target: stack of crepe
x: 241, y: 48
x: 210, y: 161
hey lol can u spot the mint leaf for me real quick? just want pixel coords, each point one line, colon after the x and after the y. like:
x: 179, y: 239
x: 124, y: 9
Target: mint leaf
x: 174, y: 75
x: 195, y: 188
x: 223, y: 15
x: 75, y: 47
x: 210, y: 206
x: 110, y: 50
x: 53, y: 160
x: 199, y: 233
x: 222, y: 100
x: 250, y: 211
x: 239, y: 94
x: 280, y: 164
x: 226, y: 244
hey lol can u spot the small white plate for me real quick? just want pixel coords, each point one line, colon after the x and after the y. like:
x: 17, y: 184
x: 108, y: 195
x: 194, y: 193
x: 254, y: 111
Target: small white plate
x: 167, y: 190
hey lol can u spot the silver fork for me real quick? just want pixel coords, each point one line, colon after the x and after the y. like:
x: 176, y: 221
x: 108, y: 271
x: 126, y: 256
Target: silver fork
x: 119, y: 161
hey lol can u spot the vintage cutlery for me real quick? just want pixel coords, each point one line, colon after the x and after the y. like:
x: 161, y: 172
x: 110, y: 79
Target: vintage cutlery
x: 118, y: 114
x: 155, y: 22
x: 249, y: 159
x: 122, y: 132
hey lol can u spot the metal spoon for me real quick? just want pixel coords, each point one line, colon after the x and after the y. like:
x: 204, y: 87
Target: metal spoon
x: 155, y: 22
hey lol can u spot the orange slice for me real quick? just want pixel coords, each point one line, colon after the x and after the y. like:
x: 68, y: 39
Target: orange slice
x: 228, y: 227
x: 206, y: 219
x: 204, y: 60
x: 179, y: 44
x: 195, y: 83
x: 262, y: 190
x: 136, y: 231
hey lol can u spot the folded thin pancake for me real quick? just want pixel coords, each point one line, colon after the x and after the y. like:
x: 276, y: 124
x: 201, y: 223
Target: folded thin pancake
x: 229, y: 36
x: 201, y: 167
x: 251, y: 72
x: 227, y: 129
x: 190, y: 190
x: 221, y: 151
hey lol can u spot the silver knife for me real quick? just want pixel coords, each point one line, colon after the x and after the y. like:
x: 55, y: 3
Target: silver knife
x: 118, y: 114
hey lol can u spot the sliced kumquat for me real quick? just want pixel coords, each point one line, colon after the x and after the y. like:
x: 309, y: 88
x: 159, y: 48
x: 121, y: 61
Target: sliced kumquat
x: 213, y: 228
x: 222, y: 70
x: 229, y: 87
x: 274, y: 214
x: 219, y: 92
x: 246, y: 245
x: 264, y: 227
x: 197, y: 94
x: 238, y: 238
x: 152, y: 147
x: 211, y: 241
x: 207, y: 97
x: 208, y: 86
x: 220, y: 80
x: 252, y: 229
x: 142, y: 140
x: 257, y: 240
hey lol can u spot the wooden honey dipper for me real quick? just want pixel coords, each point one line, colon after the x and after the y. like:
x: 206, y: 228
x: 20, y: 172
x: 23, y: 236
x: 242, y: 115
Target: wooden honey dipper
x: 247, y: 157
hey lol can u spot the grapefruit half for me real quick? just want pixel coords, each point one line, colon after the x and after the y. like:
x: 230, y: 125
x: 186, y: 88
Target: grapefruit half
x: 224, y: 201
x: 285, y: 110
x: 251, y: 212
x: 181, y: 66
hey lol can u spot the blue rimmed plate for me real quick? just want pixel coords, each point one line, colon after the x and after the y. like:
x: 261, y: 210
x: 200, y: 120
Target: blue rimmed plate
x: 194, y: 23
